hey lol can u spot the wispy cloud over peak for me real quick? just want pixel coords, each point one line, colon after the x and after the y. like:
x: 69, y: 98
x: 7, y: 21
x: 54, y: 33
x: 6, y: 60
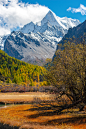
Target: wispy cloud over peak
x: 81, y: 9
x: 15, y: 14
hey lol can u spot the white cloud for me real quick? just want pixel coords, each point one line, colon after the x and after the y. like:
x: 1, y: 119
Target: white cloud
x: 15, y: 14
x: 69, y: 9
x: 4, y: 31
x: 81, y: 9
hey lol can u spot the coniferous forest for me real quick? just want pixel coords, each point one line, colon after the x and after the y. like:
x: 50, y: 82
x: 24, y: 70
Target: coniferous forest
x: 13, y: 70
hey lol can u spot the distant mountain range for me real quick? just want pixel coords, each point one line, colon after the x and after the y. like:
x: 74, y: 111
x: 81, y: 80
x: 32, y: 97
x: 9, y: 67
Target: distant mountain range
x: 35, y: 42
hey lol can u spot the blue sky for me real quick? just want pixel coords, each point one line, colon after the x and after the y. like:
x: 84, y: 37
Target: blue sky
x: 15, y: 14
x: 59, y: 7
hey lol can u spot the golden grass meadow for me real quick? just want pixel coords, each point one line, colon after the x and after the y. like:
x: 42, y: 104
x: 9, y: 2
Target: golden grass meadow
x: 39, y: 114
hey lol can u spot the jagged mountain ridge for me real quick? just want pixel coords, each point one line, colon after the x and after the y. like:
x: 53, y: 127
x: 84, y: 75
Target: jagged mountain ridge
x: 50, y: 20
x: 38, y: 41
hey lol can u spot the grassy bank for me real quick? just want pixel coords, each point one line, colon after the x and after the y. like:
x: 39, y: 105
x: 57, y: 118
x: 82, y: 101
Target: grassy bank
x: 28, y: 97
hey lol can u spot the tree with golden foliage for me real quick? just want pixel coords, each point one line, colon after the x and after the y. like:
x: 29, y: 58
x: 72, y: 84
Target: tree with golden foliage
x: 68, y: 71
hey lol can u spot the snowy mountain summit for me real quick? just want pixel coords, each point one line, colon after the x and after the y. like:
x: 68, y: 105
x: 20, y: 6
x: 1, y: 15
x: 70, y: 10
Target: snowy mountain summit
x: 38, y: 41
x: 51, y: 20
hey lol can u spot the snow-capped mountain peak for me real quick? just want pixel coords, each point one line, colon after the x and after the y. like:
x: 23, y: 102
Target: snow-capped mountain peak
x: 28, y: 28
x: 51, y: 18
x: 63, y: 22
x: 69, y: 22
x: 38, y: 40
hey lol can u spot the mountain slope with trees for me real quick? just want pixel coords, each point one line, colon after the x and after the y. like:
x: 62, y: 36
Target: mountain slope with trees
x: 16, y: 71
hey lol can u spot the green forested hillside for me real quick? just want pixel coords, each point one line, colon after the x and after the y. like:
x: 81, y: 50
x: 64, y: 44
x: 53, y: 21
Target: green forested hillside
x: 16, y: 71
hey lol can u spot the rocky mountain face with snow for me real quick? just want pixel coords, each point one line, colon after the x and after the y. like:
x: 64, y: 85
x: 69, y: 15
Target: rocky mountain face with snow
x: 36, y: 42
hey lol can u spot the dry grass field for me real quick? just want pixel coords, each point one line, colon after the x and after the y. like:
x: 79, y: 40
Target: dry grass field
x: 27, y: 97
x: 39, y: 115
